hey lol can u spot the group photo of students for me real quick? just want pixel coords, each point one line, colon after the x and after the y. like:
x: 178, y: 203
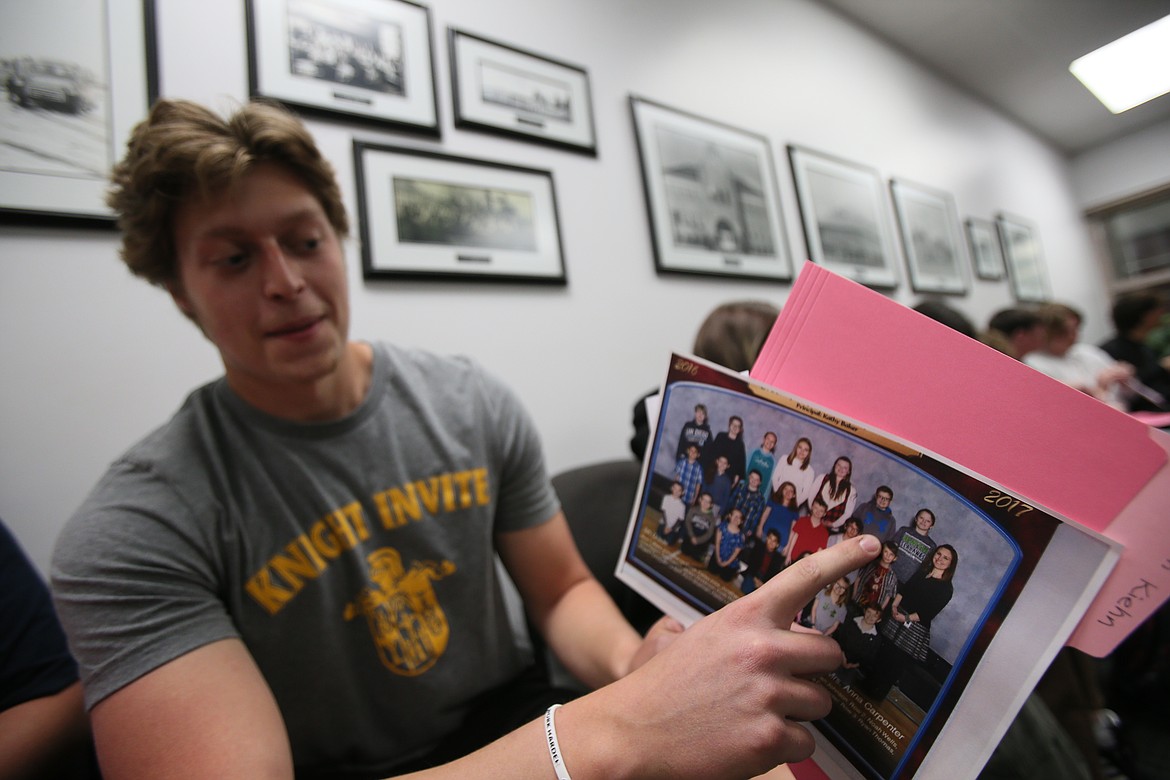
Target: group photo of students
x: 743, y: 488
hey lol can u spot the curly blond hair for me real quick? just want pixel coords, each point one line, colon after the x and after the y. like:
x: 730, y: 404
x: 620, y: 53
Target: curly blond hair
x: 182, y: 149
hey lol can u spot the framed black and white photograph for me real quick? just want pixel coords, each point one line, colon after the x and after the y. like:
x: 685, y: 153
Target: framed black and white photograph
x: 364, y: 59
x: 1024, y: 258
x: 986, y: 255
x: 77, y: 78
x: 436, y: 216
x: 845, y: 217
x: 501, y: 89
x: 711, y: 195
x: 928, y: 222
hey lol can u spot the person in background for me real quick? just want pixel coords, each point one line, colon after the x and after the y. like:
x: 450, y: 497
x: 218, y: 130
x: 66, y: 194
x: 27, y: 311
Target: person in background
x: 1135, y: 315
x: 731, y: 336
x: 1083, y: 366
x: 940, y: 311
x: 44, y: 731
x: 251, y: 592
x: 1015, y: 331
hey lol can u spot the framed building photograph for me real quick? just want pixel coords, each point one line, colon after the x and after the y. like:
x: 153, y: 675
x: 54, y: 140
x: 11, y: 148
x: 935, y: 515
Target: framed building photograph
x: 363, y: 59
x: 435, y: 216
x: 501, y: 89
x: 928, y: 222
x: 77, y: 78
x: 1024, y: 258
x: 711, y: 195
x: 845, y: 218
x: 985, y: 251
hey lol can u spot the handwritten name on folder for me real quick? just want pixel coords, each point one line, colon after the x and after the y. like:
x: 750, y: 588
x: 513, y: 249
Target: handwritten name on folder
x: 853, y: 350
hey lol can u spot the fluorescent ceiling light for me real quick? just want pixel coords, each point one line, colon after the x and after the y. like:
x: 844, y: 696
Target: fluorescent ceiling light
x: 1129, y: 71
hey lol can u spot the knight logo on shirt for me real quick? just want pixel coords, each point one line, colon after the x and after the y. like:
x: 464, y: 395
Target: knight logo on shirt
x: 406, y: 622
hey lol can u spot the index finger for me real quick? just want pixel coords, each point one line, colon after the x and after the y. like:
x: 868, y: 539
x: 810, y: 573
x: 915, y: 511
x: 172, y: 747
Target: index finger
x: 795, y: 586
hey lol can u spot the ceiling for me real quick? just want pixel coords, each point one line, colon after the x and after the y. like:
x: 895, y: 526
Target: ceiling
x: 1014, y: 54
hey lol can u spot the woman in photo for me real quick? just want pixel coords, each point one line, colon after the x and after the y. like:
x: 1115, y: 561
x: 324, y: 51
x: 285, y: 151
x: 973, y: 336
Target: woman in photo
x: 836, y: 488
x: 796, y: 467
x: 906, y: 635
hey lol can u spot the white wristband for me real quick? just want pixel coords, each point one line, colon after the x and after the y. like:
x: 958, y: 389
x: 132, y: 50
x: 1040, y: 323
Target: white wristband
x: 554, y: 749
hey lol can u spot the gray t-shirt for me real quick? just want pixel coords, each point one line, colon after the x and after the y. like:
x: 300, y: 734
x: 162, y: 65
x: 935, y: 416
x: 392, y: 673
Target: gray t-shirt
x: 353, y: 558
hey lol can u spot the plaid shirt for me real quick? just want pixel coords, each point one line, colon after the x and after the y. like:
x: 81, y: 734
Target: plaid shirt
x: 750, y: 503
x: 690, y: 475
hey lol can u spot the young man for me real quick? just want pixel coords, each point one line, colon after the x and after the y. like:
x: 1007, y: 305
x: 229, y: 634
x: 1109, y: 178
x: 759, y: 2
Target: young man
x: 1136, y: 315
x: 688, y: 472
x: 809, y: 533
x: 1021, y: 330
x: 297, y: 572
x: 876, y: 515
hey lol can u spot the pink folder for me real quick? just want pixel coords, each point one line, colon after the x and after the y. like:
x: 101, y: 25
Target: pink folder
x: 853, y: 350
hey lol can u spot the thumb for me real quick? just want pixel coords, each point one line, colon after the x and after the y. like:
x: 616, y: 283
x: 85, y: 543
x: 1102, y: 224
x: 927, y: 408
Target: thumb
x: 794, y: 587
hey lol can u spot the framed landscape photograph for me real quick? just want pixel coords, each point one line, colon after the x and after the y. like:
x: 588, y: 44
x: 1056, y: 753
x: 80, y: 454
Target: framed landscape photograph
x: 363, y: 59
x: 985, y: 251
x: 501, y: 89
x: 78, y: 77
x: 435, y: 216
x: 711, y: 195
x: 929, y: 224
x: 845, y: 218
x: 1025, y: 261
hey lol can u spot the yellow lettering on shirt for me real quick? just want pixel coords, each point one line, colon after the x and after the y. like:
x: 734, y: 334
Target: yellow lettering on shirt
x: 271, y: 597
x: 310, y: 553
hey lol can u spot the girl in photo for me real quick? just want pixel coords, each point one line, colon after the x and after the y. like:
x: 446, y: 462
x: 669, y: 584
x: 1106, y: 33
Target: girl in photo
x: 796, y: 468
x: 729, y: 541
x: 828, y: 609
x: 838, y: 492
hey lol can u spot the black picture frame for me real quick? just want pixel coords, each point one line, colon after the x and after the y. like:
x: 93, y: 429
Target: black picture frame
x: 1024, y: 258
x: 87, y: 75
x: 503, y: 89
x: 845, y: 218
x: 986, y: 253
x: 928, y: 223
x: 505, y: 227
x: 711, y: 196
x: 365, y: 60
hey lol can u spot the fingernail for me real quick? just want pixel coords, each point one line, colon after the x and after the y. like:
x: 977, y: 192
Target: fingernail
x: 870, y: 543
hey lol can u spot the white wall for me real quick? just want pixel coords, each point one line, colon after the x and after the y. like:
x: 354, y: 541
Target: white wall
x: 94, y: 359
x: 1129, y: 166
